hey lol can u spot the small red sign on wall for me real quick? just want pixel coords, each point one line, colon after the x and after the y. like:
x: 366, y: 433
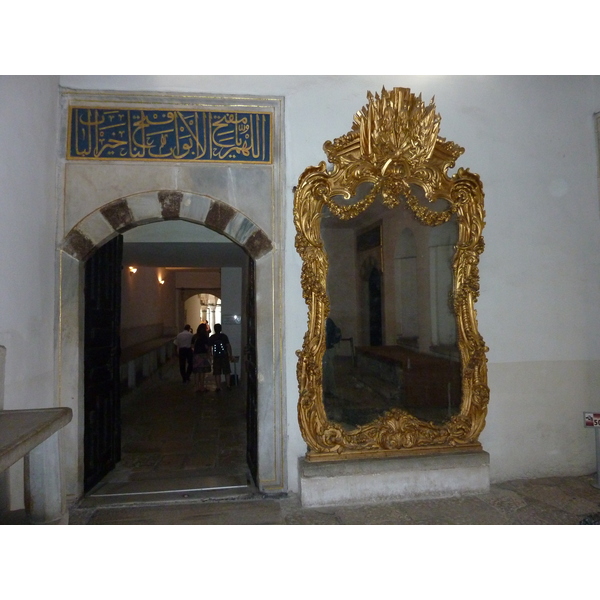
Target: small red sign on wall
x: 591, y: 419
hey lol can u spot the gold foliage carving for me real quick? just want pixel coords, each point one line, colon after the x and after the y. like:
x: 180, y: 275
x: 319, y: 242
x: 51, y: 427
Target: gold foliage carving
x: 394, y: 145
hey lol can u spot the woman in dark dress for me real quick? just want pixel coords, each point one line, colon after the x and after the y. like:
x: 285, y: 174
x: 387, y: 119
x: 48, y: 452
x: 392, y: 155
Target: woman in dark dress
x: 201, y: 364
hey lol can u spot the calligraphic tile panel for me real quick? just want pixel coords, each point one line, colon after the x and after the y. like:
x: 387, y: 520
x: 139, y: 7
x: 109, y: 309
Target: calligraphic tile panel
x: 169, y: 135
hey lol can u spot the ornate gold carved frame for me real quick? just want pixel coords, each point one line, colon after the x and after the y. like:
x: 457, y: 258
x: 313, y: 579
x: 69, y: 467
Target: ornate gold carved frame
x: 393, y: 145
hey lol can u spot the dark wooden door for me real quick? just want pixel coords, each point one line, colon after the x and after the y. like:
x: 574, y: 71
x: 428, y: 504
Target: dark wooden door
x: 375, y: 308
x: 102, y: 433
x: 251, y: 379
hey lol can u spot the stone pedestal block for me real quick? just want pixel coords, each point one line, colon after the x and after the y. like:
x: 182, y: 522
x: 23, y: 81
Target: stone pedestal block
x: 45, y: 500
x: 369, y: 481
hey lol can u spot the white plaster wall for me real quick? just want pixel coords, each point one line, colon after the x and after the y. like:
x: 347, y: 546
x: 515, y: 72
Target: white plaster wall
x: 535, y: 420
x: 168, y: 296
x: 4, y: 485
x: 198, y: 279
x: 145, y: 309
x: 28, y: 135
x: 531, y: 140
x: 28, y: 150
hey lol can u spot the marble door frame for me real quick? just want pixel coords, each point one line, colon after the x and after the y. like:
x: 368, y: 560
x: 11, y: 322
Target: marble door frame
x: 244, y: 203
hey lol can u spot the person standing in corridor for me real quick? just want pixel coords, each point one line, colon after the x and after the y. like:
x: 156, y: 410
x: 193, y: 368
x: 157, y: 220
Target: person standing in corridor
x: 220, y: 351
x: 201, y: 357
x: 183, y: 341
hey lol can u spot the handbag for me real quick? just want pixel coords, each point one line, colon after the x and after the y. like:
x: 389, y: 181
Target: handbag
x: 201, y: 363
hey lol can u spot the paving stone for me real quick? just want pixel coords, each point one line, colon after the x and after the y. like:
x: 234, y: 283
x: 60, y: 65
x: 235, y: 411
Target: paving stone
x: 132, y: 460
x: 469, y: 510
x: 263, y: 512
x: 539, y: 514
x: 551, y: 492
x: 81, y: 516
x: 205, y: 458
x: 382, y: 514
x: 505, y: 502
x: 311, y: 517
x: 169, y: 462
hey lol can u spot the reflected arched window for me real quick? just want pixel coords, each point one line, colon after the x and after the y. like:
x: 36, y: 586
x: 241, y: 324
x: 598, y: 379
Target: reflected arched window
x: 442, y: 243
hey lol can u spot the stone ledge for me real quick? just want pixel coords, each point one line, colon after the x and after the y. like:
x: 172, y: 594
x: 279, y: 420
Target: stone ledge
x: 393, y: 479
x: 22, y: 430
x: 32, y: 434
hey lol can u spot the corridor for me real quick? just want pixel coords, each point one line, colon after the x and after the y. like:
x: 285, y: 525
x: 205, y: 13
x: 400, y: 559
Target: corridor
x: 177, y: 444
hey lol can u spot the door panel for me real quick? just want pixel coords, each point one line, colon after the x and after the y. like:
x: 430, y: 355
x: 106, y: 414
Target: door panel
x: 102, y: 433
x: 250, y: 358
x: 375, y: 309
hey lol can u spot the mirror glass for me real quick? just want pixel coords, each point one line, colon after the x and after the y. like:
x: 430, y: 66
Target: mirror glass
x: 391, y: 335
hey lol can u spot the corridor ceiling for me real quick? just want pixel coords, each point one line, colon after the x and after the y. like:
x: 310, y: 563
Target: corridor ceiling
x: 180, y: 244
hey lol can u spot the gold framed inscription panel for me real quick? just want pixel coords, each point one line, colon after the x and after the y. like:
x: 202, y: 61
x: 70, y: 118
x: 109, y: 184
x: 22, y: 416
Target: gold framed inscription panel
x: 394, y: 152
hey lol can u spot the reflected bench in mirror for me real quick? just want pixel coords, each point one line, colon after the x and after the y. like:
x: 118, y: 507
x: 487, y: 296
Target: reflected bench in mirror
x: 382, y: 378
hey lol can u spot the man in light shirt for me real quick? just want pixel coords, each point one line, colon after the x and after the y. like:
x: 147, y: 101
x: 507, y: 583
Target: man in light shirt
x: 183, y: 341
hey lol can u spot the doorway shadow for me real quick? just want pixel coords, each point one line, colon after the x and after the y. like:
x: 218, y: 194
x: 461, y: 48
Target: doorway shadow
x: 177, y: 444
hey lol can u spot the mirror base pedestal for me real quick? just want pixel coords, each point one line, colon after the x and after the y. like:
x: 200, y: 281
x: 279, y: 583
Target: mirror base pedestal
x: 370, y: 481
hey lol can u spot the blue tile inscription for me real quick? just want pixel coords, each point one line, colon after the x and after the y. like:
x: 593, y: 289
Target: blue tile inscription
x: 168, y: 135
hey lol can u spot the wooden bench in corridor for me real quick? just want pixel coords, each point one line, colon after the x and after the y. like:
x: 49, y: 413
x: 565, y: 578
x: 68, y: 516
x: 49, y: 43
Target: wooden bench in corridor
x: 141, y: 360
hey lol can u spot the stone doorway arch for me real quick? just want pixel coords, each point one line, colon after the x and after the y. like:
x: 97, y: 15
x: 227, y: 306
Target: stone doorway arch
x: 142, y: 208
x: 148, y: 207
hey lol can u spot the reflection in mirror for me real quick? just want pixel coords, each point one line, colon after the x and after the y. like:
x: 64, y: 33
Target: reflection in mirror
x: 391, y: 337
x: 392, y: 361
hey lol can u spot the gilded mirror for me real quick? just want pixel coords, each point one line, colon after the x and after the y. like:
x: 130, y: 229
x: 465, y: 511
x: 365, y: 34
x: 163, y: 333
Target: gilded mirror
x: 392, y: 360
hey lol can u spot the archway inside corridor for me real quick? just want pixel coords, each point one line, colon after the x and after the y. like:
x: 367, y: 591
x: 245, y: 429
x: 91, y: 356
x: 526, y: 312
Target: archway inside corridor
x: 202, y: 307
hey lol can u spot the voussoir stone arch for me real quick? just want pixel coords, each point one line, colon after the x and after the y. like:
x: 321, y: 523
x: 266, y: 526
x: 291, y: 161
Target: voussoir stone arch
x: 128, y: 212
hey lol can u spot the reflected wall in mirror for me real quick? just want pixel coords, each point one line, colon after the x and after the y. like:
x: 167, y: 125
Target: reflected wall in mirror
x: 392, y: 361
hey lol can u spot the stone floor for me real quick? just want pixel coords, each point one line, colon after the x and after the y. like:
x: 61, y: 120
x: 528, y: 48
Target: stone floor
x: 550, y: 501
x: 184, y: 463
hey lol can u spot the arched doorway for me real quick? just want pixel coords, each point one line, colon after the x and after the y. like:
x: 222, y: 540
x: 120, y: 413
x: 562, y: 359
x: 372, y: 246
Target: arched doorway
x: 141, y: 287
x: 127, y: 213
x: 202, y: 307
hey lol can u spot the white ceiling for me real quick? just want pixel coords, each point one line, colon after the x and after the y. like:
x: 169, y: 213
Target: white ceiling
x: 180, y: 244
